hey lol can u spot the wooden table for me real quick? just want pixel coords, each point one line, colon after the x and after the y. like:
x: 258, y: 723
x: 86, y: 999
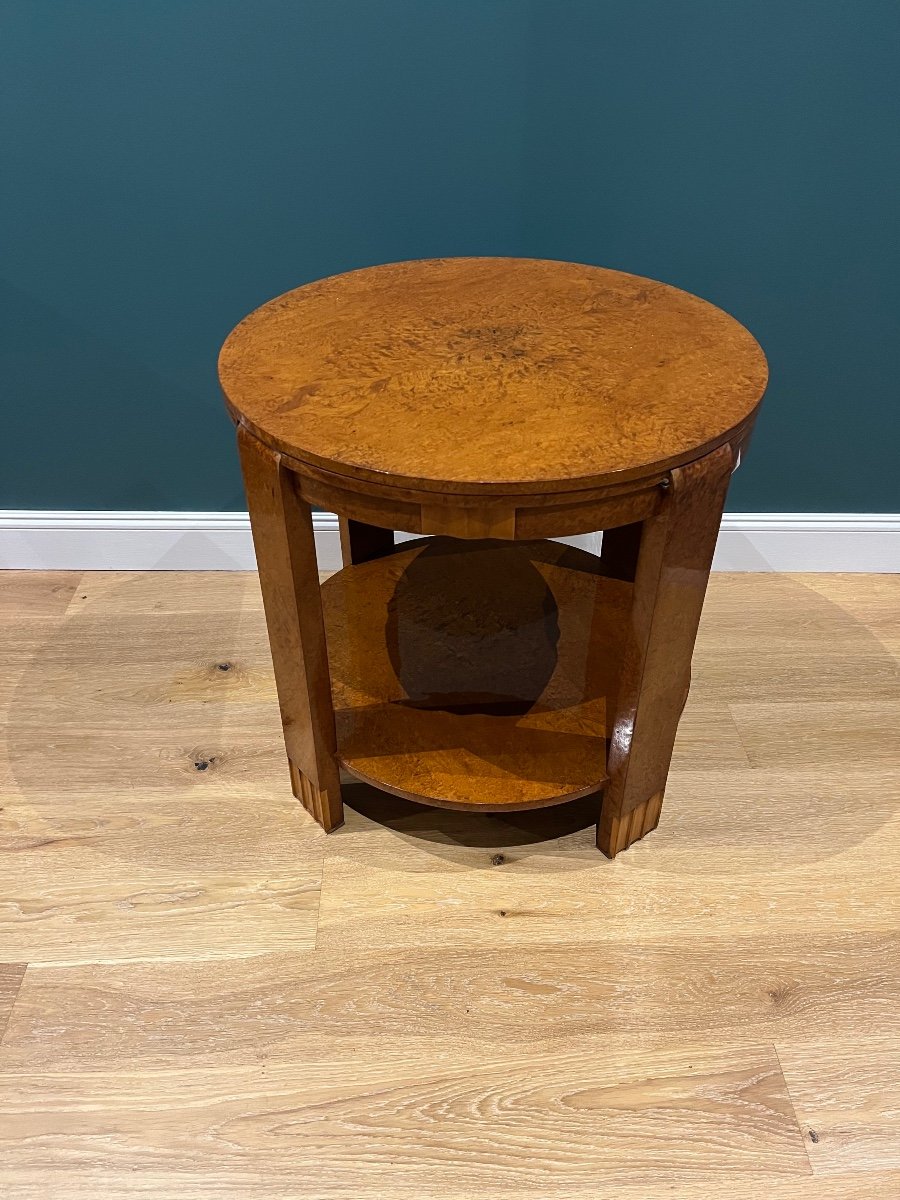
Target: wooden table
x: 488, y: 405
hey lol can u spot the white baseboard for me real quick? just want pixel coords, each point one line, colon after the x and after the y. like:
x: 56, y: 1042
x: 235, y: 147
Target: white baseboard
x: 191, y: 541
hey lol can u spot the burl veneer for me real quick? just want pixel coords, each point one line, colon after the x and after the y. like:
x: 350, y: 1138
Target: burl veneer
x: 494, y: 403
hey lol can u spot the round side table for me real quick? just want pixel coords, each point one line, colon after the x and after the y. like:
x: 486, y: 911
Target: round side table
x: 488, y: 405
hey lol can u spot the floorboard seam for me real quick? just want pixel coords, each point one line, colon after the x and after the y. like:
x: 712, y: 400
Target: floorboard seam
x: 750, y: 763
x: 76, y: 594
x: 793, y: 1108
x: 5, y: 1024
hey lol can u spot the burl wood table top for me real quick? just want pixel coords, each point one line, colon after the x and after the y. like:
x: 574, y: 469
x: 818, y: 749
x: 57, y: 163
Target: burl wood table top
x: 492, y: 374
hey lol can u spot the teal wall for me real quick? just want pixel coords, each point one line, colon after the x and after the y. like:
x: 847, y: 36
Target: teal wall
x: 170, y: 164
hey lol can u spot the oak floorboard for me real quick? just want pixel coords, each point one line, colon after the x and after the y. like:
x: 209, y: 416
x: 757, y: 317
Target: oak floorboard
x: 11, y: 975
x: 21, y: 641
x: 436, y: 1002
x: 515, y: 1119
x: 790, y: 854
x: 875, y: 604
x: 708, y: 739
x: 858, y: 669
x: 26, y: 595
x: 146, y: 809
x: 205, y: 864
x: 222, y: 1001
x: 793, y: 609
x: 141, y: 593
x: 846, y: 1092
x: 788, y: 638
x: 790, y: 734
x: 809, y: 666
x: 272, y: 1183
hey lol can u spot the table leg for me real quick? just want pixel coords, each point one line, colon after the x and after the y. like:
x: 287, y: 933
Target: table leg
x: 288, y: 574
x: 619, y: 551
x: 360, y: 542
x: 669, y: 557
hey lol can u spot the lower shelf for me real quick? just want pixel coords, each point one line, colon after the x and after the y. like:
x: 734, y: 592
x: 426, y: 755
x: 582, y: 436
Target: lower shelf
x: 475, y: 674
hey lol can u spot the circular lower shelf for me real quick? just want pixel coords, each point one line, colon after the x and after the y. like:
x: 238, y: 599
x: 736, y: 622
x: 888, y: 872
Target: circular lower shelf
x: 475, y: 674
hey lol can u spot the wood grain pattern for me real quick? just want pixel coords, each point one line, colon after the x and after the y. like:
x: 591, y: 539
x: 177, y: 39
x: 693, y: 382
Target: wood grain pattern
x: 439, y: 1001
x: 434, y: 1002
x: 820, y: 733
x: 394, y: 874
x: 534, y: 1117
x: 876, y: 604
x: 475, y: 674
x: 671, y: 565
x: 621, y: 831
x: 101, y: 872
x: 30, y: 594
x: 142, y: 781
x: 438, y: 373
x: 11, y: 975
x: 847, y: 1098
x: 242, y: 1183
x: 528, y: 514
x: 414, y: 396
x: 288, y: 574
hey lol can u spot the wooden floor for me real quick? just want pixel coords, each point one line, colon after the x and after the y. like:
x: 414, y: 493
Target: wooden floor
x: 205, y: 996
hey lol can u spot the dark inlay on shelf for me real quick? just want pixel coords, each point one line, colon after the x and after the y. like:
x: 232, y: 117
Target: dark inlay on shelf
x: 475, y: 674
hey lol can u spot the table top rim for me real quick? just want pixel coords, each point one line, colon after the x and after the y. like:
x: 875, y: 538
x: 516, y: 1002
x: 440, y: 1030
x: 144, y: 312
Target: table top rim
x: 521, y: 481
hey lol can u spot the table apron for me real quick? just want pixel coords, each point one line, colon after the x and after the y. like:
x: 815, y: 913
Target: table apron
x: 467, y: 516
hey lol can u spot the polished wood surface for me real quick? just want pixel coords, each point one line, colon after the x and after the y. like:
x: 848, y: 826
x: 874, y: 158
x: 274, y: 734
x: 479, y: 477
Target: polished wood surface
x: 488, y: 375
x: 286, y: 554
x: 520, y: 515
x: 476, y: 674
x: 479, y: 399
x: 671, y: 564
x: 221, y: 1002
